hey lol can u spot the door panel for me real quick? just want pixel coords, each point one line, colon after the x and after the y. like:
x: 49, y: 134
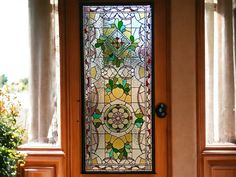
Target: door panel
x: 43, y: 163
x: 74, y: 55
x: 219, y: 165
x: 39, y: 172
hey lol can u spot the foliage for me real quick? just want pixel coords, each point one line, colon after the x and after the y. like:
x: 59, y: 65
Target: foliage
x: 23, y: 84
x: 3, y: 80
x: 19, y: 86
x: 11, y: 135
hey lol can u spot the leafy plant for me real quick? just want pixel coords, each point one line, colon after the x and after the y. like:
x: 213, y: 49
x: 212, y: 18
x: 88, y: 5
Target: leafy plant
x: 11, y: 135
x: 18, y: 86
x: 3, y: 80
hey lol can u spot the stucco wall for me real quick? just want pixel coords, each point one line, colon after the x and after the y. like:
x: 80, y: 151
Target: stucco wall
x: 183, y: 55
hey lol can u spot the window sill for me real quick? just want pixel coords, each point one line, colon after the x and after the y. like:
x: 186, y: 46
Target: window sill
x: 42, y: 152
x: 220, y: 152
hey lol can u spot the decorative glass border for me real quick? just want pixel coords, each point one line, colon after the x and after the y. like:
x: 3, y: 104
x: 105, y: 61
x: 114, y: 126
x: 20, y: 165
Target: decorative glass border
x: 83, y: 90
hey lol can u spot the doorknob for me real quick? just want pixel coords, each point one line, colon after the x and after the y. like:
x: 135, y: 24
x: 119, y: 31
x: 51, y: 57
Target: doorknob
x: 161, y: 110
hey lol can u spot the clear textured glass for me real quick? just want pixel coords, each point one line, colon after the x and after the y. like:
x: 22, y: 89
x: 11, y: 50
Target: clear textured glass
x: 117, y: 59
x: 29, y: 66
x: 220, y: 70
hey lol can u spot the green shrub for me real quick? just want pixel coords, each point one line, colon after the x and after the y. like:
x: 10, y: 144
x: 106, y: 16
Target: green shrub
x: 11, y: 135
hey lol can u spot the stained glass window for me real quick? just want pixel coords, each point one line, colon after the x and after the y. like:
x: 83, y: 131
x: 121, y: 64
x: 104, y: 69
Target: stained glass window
x: 117, y: 63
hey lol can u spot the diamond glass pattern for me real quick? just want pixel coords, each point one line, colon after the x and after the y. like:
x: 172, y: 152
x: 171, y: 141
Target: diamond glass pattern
x: 117, y: 42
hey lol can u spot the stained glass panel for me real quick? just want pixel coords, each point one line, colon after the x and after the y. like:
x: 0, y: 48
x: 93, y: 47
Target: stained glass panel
x: 117, y: 60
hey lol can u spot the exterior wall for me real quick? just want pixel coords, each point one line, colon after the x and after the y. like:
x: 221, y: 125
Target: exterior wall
x: 183, y: 64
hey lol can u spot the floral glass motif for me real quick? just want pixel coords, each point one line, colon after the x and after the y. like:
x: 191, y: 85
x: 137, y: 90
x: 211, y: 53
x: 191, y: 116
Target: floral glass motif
x: 117, y: 59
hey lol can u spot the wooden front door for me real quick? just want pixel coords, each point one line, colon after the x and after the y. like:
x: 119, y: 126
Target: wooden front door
x: 113, y: 116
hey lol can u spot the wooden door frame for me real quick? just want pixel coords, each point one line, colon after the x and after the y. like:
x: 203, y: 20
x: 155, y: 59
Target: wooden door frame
x: 71, y: 124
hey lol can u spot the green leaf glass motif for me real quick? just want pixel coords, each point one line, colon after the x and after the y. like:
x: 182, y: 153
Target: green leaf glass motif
x: 117, y: 60
x: 115, y: 44
x: 113, y: 84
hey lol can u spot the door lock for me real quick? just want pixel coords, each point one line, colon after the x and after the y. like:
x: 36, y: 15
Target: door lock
x: 161, y: 110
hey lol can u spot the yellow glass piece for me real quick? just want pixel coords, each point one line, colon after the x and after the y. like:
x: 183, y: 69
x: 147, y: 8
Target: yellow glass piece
x: 113, y: 138
x: 120, y: 80
x: 107, y: 99
x: 115, y: 155
x: 94, y: 161
x: 141, y: 15
x: 138, y: 111
x: 128, y: 99
x: 141, y: 72
x: 92, y: 15
x: 128, y: 137
x: 108, y: 31
x: 123, y: 97
x: 142, y: 161
x: 123, y: 138
x: 127, y: 34
x: 125, y: 54
x: 118, y: 143
x: 96, y: 120
x: 112, y: 98
x: 107, y: 137
x: 117, y: 92
x: 1, y: 104
x: 93, y: 72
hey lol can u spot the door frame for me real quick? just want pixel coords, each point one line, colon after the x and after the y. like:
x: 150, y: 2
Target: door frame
x: 71, y: 125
